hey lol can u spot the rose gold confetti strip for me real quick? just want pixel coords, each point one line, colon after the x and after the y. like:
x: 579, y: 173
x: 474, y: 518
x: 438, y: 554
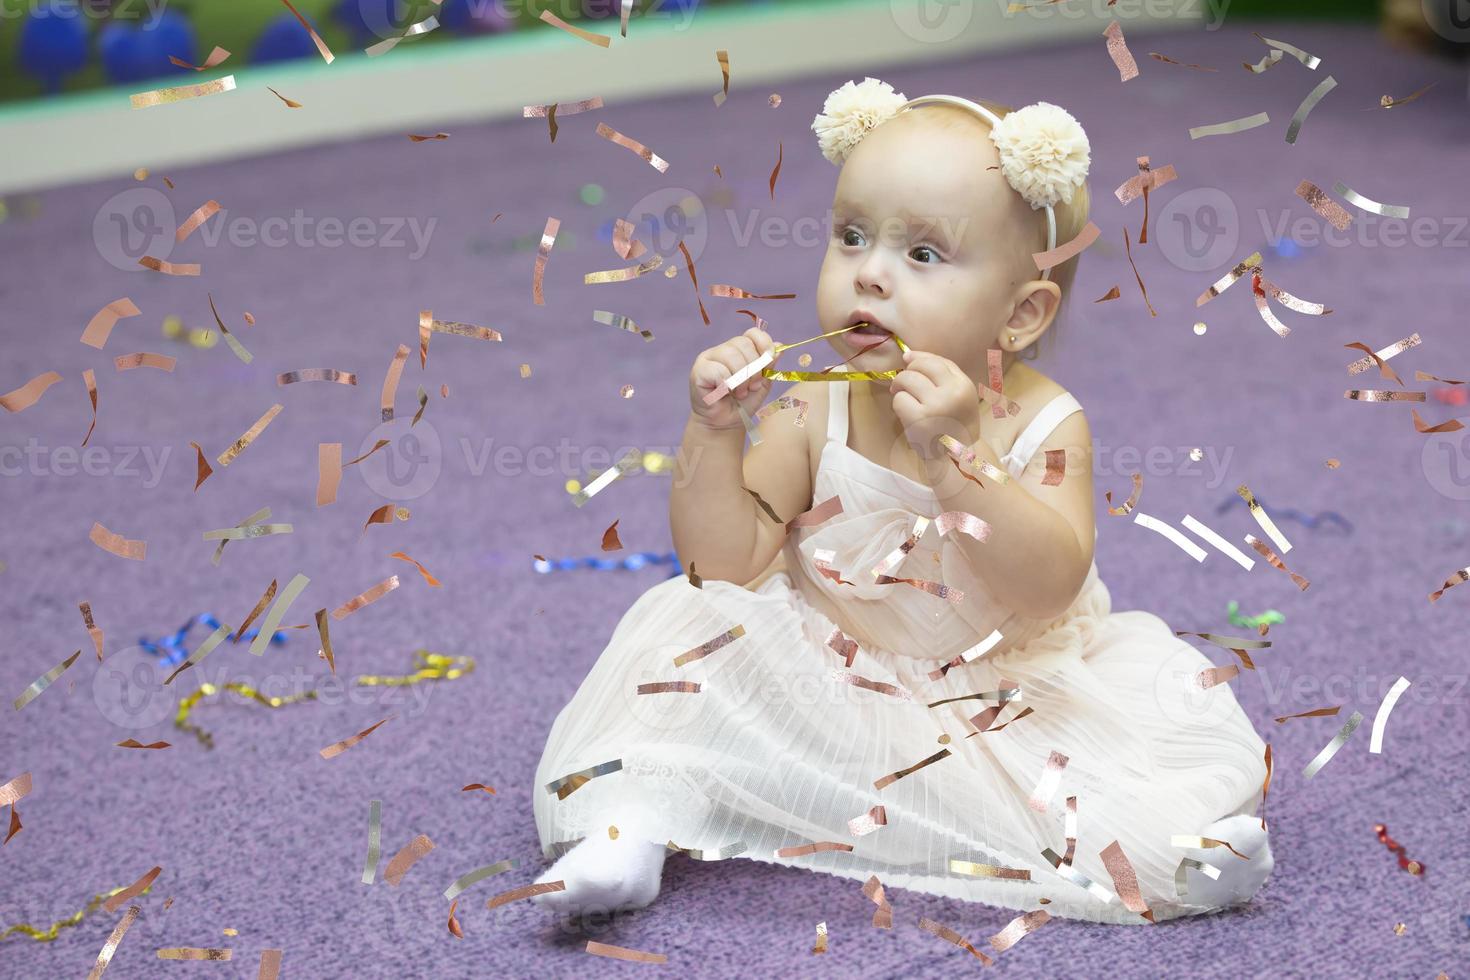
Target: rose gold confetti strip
x: 321, y: 627
x: 1022, y: 925
x: 424, y: 139
x: 328, y: 472
x: 819, y: 514
x: 1127, y: 506
x: 543, y: 252
x: 1263, y: 519
x: 1453, y: 425
x: 1331, y: 748
x: 166, y: 96
x: 366, y: 598
x: 100, y: 326
x: 1308, y: 104
x: 1287, y: 299
x: 1213, y: 676
x: 651, y: 158
x: 433, y: 582
x: 1009, y: 691
x: 879, y: 687
x: 1147, y: 179
x: 610, y: 541
x: 1270, y: 556
x: 875, y: 818
x: 949, y: 935
x: 1118, y: 51
x: 689, y: 261
x: 337, y: 748
x: 109, y: 948
x: 1065, y: 251
x: 90, y: 378
x: 1314, y: 713
x: 1357, y: 200
x: 132, y: 891
x: 709, y: 646
x: 1172, y: 533
x: 201, y: 214
x: 781, y: 404
x: 1231, y: 127
x: 1329, y: 209
x: 1252, y: 261
x: 390, y: 382
x: 1376, y: 395
x: 958, y: 520
x: 1071, y: 830
x: 423, y: 399
x: 1128, y: 247
x: 587, y: 36
x: 894, y: 777
x: 130, y: 362
x: 1378, y: 357
x: 236, y: 347
x: 316, y: 374
x: 844, y: 647
x: 133, y: 743
x: 618, y: 952
x: 193, y: 953
x: 947, y: 592
x: 1125, y: 880
x: 1051, y: 778
x: 241, y: 444
x: 735, y: 292
x: 1171, y: 61
x: 821, y: 945
x: 406, y: 858
x: 959, y: 867
x: 376, y: 446
x: 1204, y: 844
x: 1265, y: 64
x: 623, y: 242
x: 316, y: 39
x: 567, y: 785
x: 29, y: 393
x: 1389, y: 102
x: 1266, y: 785
x: 993, y: 363
x: 1056, y: 467
x: 670, y: 687
x: 724, y: 59
x: 216, y: 58
x: 1385, y: 707
x: 895, y: 557
x: 974, y: 653
x: 1113, y: 293
x: 270, y: 964
x: 776, y: 173
x: 562, y: 108
x: 802, y: 850
x: 169, y: 268
x: 290, y: 104
x: 622, y: 275
x: 873, y: 890
x: 92, y: 630
x: 272, y: 621
x: 117, y: 544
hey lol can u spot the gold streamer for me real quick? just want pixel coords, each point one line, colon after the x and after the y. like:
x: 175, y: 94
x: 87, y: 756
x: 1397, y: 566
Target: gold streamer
x: 429, y: 667
x: 186, y: 706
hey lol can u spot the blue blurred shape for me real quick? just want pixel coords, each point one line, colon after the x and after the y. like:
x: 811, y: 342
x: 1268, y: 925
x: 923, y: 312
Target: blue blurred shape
x: 475, y: 17
x: 53, y: 47
x: 284, y: 39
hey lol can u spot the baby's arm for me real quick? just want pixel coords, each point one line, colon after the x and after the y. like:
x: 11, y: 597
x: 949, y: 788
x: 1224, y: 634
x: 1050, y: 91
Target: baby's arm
x: 716, y: 524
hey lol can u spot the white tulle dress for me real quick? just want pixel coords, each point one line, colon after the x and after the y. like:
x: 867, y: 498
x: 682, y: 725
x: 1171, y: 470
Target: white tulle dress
x: 779, y: 747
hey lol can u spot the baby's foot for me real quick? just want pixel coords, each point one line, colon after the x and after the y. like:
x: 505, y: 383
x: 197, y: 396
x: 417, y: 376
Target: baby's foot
x: 605, y: 875
x: 1239, y: 879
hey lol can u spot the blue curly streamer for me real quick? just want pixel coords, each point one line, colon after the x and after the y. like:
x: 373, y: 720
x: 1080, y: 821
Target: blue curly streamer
x: 1308, y: 520
x: 637, y: 560
x: 171, y: 648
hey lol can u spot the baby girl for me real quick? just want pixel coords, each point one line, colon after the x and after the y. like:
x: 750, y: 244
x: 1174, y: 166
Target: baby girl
x: 896, y: 658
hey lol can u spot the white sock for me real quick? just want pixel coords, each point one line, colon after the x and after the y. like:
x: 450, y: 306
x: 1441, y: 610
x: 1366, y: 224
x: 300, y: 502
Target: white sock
x: 606, y: 875
x: 1239, y: 879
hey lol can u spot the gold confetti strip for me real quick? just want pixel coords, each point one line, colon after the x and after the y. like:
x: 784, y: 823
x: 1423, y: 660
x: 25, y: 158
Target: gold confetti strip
x: 1452, y: 425
x: 321, y: 626
x: 875, y: 818
x: 567, y: 785
x: 1378, y: 357
x: 29, y: 393
x: 337, y: 748
x: 316, y: 374
x: 802, y: 850
x: 776, y: 173
x: 873, y: 891
x: 880, y: 687
x: 587, y: 36
x: 1171, y: 61
x: 622, y: 952
x: 1311, y: 61
x: 1113, y: 293
x: 821, y: 944
x: 1385, y: 707
x: 366, y: 598
x: 623, y: 275
x: 724, y: 59
x: 710, y: 646
x: 1173, y: 534
x: 193, y: 953
x: 92, y: 630
x: 242, y: 533
x: 623, y: 242
x: 169, y: 268
x: 1265, y: 64
x: 735, y: 292
x: 142, y: 359
x: 375, y: 841
x: 406, y: 858
x: 543, y: 253
x: 428, y: 325
x: 433, y: 582
x: 1308, y: 104
x: 894, y: 777
x: 255, y: 518
x: 328, y: 472
x: 630, y: 461
x: 1181, y: 884
x: 390, y: 382
x: 1118, y: 51
x: 201, y: 214
x: 1203, y: 844
x: 1314, y: 713
x: 1331, y: 748
x: 1388, y: 101
x: 1329, y: 209
x: 1367, y: 204
x: 1263, y: 519
x: 1051, y: 778
x: 290, y: 104
x: 166, y: 96
x: 939, y: 589
x: 974, y: 870
x: 109, y: 948
x: 949, y: 935
x: 478, y: 875
x: 1022, y: 925
x: 1271, y: 557
x: 117, y: 544
x: 1067, y: 250
x: 670, y: 687
x: 272, y: 621
x: 1231, y: 127
x: 723, y: 854
x: 100, y: 326
x: 210, y: 642
x: 241, y: 444
x: 414, y: 30
x: 316, y: 39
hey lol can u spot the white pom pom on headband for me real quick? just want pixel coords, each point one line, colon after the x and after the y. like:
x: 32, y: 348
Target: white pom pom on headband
x: 1044, y: 152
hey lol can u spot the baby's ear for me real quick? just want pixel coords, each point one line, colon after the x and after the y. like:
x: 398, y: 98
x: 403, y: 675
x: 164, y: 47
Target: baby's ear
x: 1037, y: 303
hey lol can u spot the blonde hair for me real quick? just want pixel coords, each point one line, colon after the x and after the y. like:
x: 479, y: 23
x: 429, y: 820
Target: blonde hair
x: 1071, y: 217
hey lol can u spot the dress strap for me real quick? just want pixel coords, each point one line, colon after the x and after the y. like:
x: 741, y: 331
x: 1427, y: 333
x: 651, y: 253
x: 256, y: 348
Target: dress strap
x: 1035, y: 433
x: 837, y: 412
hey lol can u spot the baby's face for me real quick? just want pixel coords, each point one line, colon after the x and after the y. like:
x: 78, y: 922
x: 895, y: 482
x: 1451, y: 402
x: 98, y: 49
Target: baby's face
x: 927, y: 242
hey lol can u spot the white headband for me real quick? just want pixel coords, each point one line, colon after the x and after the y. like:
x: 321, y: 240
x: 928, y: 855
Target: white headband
x: 1044, y: 152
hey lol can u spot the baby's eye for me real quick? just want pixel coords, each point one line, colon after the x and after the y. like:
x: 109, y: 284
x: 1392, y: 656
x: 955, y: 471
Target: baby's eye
x: 852, y: 237
x: 924, y: 254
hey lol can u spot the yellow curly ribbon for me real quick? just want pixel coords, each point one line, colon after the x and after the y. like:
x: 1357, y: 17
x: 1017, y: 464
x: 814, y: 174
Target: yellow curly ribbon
x: 50, y: 935
x: 431, y: 667
x: 775, y: 375
x: 187, y: 705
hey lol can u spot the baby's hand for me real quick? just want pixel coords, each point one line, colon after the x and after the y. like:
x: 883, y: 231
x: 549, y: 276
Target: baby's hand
x: 932, y: 397
x: 713, y: 367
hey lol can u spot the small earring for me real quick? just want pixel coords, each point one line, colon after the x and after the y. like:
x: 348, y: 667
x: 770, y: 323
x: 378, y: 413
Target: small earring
x: 1013, y: 338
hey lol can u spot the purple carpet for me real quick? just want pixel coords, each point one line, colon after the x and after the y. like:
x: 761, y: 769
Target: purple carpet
x: 261, y: 835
